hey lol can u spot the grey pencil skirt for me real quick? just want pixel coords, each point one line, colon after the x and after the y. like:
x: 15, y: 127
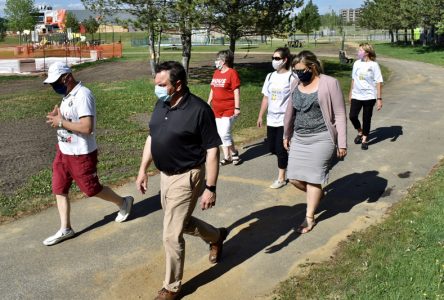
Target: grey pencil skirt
x: 310, y: 156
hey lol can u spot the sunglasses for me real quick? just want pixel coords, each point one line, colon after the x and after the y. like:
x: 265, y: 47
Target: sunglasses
x: 300, y: 71
x: 276, y: 58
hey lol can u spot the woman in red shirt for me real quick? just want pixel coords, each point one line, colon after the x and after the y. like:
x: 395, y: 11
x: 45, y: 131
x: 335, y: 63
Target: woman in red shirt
x: 224, y: 99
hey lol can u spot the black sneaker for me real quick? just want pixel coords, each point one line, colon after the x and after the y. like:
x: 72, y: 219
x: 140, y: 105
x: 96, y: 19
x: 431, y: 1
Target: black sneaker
x: 358, y: 139
x: 364, y: 146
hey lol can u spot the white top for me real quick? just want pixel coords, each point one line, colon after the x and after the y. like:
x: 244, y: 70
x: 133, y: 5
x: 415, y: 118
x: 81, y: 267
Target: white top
x: 78, y: 103
x: 366, y: 74
x: 277, y: 89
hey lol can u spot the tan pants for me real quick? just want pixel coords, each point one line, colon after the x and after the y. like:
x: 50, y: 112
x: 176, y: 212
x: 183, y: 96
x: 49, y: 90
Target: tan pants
x: 179, y: 194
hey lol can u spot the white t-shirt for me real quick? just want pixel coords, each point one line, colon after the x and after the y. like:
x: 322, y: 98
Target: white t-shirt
x: 78, y: 103
x: 277, y: 89
x: 366, y: 74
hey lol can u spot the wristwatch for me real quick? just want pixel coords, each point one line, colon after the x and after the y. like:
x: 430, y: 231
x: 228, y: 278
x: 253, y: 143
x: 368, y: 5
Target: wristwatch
x: 211, y: 188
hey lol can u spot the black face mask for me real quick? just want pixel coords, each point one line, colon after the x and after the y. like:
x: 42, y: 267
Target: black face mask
x: 60, y: 88
x: 305, y: 77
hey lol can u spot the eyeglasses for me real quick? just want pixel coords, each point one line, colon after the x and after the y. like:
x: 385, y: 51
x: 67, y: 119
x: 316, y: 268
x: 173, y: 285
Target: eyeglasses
x: 276, y: 58
x: 300, y: 71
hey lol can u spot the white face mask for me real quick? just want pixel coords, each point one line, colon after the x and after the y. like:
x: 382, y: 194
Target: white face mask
x: 219, y: 64
x: 162, y: 93
x: 277, y: 64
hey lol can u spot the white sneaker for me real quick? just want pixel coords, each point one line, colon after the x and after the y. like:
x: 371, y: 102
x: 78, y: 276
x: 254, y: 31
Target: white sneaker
x: 277, y: 184
x: 60, y: 235
x: 125, y: 210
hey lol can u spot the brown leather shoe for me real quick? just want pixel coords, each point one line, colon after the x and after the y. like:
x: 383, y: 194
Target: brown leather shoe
x: 165, y: 294
x: 216, y: 248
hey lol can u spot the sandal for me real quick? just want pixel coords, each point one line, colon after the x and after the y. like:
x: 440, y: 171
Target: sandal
x: 307, y: 225
x: 235, y: 157
x: 225, y: 162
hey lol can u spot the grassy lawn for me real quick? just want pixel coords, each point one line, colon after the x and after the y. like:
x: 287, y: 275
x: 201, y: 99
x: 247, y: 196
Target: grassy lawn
x: 418, y: 53
x: 401, y: 258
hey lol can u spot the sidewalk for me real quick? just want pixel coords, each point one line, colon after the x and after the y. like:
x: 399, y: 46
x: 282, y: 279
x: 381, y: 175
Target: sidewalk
x: 107, y: 260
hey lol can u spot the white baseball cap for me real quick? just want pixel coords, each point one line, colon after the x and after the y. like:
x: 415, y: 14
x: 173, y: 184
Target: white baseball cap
x: 56, y: 70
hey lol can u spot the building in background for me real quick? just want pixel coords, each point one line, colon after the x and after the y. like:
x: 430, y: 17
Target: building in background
x: 350, y: 15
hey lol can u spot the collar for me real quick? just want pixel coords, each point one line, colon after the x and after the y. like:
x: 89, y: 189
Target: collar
x: 183, y: 103
x: 74, y: 90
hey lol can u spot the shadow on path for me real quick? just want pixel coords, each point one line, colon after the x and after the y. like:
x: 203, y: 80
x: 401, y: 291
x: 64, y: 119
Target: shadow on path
x: 262, y: 228
x: 255, y: 150
x: 139, y: 210
x: 383, y: 133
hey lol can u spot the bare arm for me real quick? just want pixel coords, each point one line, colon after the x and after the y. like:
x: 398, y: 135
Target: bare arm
x: 237, y: 101
x: 142, y: 177
x: 84, y: 126
x: 208, y: 199
x: 379, y: 93
x: 210, y: 97
x: 264, y: 106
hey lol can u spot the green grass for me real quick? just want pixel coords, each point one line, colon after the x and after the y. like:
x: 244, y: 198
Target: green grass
x: 430, y: 55
x: 119, y: 137
x: 401, y: 258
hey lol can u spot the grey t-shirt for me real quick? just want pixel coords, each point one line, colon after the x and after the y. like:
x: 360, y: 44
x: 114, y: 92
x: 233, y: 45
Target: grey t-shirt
x: 309, y: 117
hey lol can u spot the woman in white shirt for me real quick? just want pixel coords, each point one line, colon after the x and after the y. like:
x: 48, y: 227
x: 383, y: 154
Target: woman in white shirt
x: 365, y: 92
x: 276, y: 91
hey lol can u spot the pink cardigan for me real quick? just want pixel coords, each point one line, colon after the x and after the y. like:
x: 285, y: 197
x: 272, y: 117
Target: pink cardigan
x: 331, y: 101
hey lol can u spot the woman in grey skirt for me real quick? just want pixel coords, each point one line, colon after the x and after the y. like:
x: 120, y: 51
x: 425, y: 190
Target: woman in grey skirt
x: 315, y: 127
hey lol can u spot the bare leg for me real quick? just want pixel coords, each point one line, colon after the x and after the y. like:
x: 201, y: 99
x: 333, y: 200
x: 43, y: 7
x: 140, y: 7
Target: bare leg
x: 227, y: 154
x: 108, y: 194
x: 314, y: 195
x: 299, y: 184
x: 281, y: 176
x: 64, y: 208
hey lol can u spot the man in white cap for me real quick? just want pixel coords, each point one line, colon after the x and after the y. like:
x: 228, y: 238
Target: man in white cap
x: 76, y: 157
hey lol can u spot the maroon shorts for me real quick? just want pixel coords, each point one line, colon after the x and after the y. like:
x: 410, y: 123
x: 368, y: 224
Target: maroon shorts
x: 80, y: 168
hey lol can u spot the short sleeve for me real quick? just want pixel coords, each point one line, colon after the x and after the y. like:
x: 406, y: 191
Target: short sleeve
x: 86, y: 104
x: 377, y: 72
x: 235, y: 80
x: 265, y: 91
x: 208, y: 129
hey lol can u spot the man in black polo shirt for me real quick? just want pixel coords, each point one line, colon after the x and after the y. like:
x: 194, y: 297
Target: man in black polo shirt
x: 184, y: 145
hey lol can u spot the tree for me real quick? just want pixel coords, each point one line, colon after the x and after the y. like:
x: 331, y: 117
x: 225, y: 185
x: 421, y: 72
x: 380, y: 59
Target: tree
x: 72, y: 22
x: 91, y: 25
x: 20, y: 15
x: 2, y: 29
x: 308, y: 19
x: 238, y: 18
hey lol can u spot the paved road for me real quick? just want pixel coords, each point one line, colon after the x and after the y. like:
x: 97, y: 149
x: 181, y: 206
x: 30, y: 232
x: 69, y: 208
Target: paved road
x: 125, y: 261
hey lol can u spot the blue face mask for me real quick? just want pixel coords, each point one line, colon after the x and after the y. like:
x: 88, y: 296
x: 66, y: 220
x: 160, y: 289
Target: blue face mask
x: 60, y: 88
x: 162, y: 93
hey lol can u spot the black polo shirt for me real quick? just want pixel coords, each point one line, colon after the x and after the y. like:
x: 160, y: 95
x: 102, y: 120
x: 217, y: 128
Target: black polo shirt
x: 181, y: 135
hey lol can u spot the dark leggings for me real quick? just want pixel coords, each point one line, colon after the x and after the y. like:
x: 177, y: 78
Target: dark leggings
x: 275, y: 136
x: 367, y: 113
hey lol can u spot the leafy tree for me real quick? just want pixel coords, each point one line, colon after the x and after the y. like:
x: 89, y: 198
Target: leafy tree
x: 20, y: 15
x: 238, y: 18
x: 2, y: 29
x: 308, y: 19
x: 91, y: 25
x: 331, y: 20
x: 72, y: 22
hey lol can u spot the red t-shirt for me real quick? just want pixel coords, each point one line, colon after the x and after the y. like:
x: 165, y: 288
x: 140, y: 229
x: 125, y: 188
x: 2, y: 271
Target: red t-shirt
x: 223, y: 86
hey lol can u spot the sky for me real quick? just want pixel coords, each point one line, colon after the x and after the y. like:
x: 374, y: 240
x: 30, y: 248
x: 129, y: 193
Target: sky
x: 323, y: 5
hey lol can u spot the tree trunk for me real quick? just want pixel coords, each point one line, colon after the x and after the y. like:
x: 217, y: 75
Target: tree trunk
x: 152, y: 52
x: 233, y: 43
x: 186, y: 49
x: 392, y: 37
x: 412, y: 34
x: 159, y: 41
x: 405, y: 36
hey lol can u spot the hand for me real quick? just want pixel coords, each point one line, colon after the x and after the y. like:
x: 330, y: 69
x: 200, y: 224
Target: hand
x: 236, y: 112
x: 53, y: 118
x: 259, y: 122
x: 378, y: 104
x: 286, y: 144
x: 341, y: 152
x: 142, y: 182
x: 208, y: 200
